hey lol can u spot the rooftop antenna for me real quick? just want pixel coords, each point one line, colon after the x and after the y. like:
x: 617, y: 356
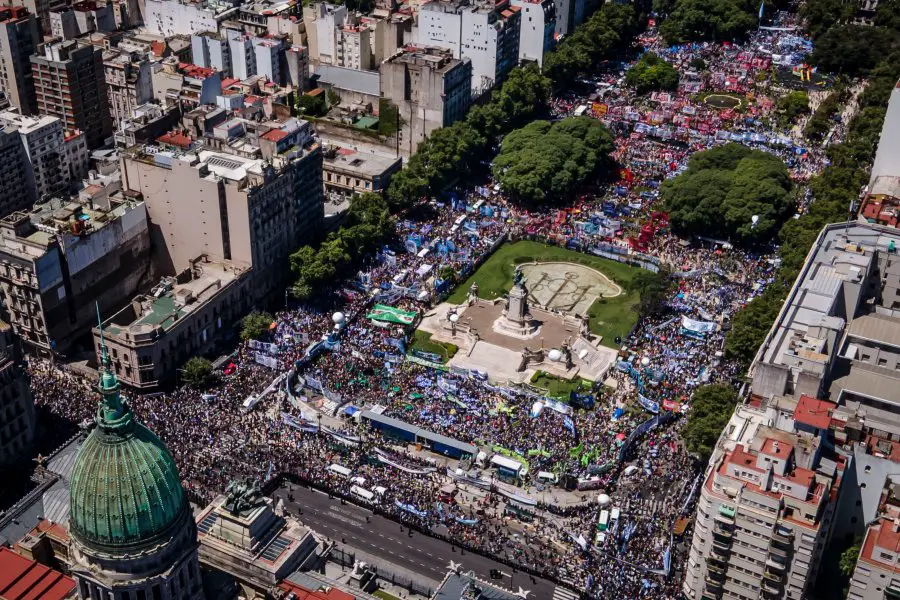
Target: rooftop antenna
x: 104, y: 359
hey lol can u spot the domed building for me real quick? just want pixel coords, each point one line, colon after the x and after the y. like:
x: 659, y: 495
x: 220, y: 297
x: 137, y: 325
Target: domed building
x: 132, y: 532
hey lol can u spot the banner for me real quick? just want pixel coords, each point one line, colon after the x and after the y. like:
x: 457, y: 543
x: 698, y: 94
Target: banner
x: 390, y: 314
x: 698, y: 326
x: 313, y: 384
x: 263, y: 346
x: 648, y: 404
x: 557, y: 406
x: 410, y: 509
x: 266, y: 361
x: 426, y: 363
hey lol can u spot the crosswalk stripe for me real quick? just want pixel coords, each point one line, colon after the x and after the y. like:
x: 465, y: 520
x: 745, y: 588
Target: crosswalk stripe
x: 561, y: 593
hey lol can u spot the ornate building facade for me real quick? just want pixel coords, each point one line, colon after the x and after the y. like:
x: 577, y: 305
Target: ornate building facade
x: 133, y: 536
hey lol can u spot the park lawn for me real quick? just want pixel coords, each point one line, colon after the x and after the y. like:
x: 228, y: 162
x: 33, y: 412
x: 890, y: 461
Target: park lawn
x: 609, y: 317
x: 560, y: 388
x: 384, y: 595
x: 422, y: 341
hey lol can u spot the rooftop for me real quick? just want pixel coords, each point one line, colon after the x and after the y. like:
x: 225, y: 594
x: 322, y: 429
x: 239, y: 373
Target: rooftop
x: 24, y: 579
x: 813, y: 412
x: 887, y: 158
x: 169, y: 302
x: 363, y: 163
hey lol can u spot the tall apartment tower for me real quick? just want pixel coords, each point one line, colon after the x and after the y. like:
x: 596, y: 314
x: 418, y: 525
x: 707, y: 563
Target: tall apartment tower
x: 18, y: 190
x: 17, y: 417
x: 19, y: 38
x: 70, y: 84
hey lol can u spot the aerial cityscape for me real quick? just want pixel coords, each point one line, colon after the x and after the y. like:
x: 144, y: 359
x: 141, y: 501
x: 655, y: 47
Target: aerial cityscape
x: 450, y: 300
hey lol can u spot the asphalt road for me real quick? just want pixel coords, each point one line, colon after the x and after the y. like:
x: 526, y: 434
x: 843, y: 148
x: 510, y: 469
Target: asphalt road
x: 346, y: 523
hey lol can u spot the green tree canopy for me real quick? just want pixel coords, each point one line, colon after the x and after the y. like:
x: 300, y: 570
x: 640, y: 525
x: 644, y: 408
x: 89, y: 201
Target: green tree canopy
x: 822, y: 15
x: 197, y: 372
x: 368, y: 225
x: 792, y: 105
x: 313, y: 106
x: 709, y: 20
x: 653, y: 289
x: 545, y: 161
x: 256, y: 325
x: 723, y: 188
x: 853, y: 49
x: 848, y: 560
x: 711, y: 408
x: 652, y: 73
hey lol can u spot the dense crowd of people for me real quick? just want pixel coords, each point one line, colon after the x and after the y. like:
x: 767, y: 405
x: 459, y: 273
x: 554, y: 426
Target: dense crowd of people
x: 650, y: 477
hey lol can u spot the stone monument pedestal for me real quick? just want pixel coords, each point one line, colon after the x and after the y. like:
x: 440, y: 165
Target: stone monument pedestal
x: 516, y: 321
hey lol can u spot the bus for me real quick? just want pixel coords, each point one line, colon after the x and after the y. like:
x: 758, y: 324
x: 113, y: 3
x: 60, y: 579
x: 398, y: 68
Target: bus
x: 581, y: 110
x: 362, y: 493
x: 547, y: 477
x: 603, y: 523
x: 339, y: 470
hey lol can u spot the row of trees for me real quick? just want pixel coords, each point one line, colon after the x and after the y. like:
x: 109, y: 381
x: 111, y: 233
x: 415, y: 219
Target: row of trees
x: 834, y: 189
x: 368, y: 226
x: 460, y: 147
x: 820, y: 122
x: 545, y: 161
x: 841, y: 46
x: 706, y: 20
x: 724, y: 188
x: 608, y: 32
x: 711, y: 408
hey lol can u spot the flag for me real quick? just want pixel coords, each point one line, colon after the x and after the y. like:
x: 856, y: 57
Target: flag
x: 762, y: 6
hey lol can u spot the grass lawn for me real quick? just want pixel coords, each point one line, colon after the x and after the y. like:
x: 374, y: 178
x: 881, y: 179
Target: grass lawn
x: 384, y: 595
x: 422, y: 341
x: 559, y: 388
x: 609, y: 317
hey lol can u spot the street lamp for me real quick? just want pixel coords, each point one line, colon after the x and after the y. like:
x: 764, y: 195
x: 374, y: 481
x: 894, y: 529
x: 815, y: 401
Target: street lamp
x: 453, y: 318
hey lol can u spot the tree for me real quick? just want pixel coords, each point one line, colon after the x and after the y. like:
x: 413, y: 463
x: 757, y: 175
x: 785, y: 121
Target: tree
x: 849, y: 557
x: 255, y: 325
x: 390, y: 121
x: 822, y: 15
x: 709, y: 20
x: 312, y: 105
x: 197, y: 372
x: 545, y: 161
x: 711, y: 408
x: 652, y: 73
x: 853, y: 49
x: 791, y: 106
x: 653, y: 289
x: 724, y: 188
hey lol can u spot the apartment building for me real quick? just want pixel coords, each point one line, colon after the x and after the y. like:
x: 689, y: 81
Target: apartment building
x: 347, y: 172
x: 69, y: 83
x: 765, y: 512
x: 181, y: 317
x: 211, y: 50
x: 182, y: 84
x: 183, y: 17
x: 19, y: 39
x: 431, y: 89
x: 58, y: 260
x: 82, y: 18
x: 17, y: 191
x: 129, y: 82
x: 18, y: 422
x: 297, y: 67
x: 251, y: 195
x: 56, y: 159
x: 485, y: 33
x: 877, y: 573
x: 538, y: 35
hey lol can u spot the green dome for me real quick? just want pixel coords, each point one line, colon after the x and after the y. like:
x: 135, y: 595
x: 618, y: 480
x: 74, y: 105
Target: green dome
x: 125, y: 490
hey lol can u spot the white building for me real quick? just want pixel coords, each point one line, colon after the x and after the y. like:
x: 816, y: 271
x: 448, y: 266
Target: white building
x: 212, y: 51
x: 179, y: 17
x: 569, y: 14
x: 538, y: 29
x: 56, y: 159
x: 268, y: 58
x: 877, y: 573
x: 129, y: 83
x: 486, y: 34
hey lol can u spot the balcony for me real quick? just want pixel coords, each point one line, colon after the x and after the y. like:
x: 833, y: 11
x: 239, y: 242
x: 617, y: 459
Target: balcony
x: 715, y: 573
x: 719, y: 554
x: 774, y: 579
x: 776, y: 565
x: 713, y: 587
x: 723, y: 520
x: 770, y: 591
x: 723, y: 538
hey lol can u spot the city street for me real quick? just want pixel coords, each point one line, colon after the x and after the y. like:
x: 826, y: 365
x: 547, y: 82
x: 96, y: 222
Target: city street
x: 379, y: 536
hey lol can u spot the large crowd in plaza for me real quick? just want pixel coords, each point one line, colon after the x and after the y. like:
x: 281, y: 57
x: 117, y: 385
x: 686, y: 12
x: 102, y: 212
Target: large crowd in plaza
x: 214, y: 440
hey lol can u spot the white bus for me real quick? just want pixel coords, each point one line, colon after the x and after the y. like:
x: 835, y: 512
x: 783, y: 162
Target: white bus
x: 339, y: 470
x: 546, y: 477
x: 581, y: 110
x: 603, y: 523
x: 362, y: 493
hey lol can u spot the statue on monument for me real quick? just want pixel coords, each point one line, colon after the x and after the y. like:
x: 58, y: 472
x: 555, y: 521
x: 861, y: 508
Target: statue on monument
x: 519, y: 279
x: 242, y: 496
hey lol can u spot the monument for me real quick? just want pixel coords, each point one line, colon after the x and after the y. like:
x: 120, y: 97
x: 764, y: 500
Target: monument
x: 516, y: 320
